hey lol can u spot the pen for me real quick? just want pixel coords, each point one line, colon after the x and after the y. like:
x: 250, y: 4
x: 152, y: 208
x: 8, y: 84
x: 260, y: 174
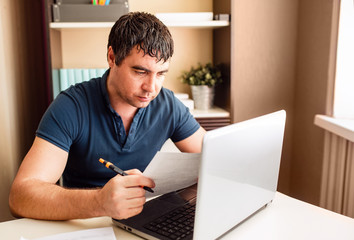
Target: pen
x: 120, y: 171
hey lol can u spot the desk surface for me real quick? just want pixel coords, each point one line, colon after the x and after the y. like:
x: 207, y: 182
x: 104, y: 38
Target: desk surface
x: 284, y: 218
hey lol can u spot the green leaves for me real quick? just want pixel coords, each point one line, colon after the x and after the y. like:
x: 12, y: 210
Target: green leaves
x: 202, y: 75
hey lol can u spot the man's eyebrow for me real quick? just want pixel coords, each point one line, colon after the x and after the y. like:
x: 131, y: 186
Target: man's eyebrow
x: 164, y: 71
x: 141, y: 68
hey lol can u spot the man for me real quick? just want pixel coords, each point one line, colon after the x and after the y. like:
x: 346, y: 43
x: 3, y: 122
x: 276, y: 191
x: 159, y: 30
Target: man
x: 124, y: 117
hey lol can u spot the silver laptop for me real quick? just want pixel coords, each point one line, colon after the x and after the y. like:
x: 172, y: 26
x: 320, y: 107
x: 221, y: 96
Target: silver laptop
x: 238, y: 176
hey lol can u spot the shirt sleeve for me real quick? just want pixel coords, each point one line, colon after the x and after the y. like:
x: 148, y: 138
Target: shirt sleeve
x: 60, y: 123
x: 186, y: 124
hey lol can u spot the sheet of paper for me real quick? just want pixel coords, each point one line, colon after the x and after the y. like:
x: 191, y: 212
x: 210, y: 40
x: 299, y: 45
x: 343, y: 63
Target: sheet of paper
x: 172, y: 171
x: 105, y: 233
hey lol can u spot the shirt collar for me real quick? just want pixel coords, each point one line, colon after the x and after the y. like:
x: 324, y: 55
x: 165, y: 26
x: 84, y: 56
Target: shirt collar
x: 104, y: 91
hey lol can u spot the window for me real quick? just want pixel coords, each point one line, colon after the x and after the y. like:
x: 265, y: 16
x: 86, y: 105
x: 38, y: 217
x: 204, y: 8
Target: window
x: 344, y: 83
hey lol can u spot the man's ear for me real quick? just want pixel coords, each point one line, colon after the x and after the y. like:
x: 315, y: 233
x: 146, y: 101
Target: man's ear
x: 110, y: 57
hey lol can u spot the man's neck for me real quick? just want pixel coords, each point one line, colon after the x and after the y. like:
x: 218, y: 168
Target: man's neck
x: 124, y: 109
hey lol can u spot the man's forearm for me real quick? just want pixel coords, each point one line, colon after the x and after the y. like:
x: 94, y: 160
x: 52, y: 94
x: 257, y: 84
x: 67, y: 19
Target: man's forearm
x: 41, y: 200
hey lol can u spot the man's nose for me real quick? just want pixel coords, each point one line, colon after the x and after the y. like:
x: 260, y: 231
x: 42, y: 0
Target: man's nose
x: 149, y: 84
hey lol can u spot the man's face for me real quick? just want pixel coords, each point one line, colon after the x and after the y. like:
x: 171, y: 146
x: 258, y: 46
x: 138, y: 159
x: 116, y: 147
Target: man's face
x: 137, y: 80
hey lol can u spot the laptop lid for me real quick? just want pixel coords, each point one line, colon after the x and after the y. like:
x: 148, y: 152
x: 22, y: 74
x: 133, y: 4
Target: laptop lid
x: 238, y: 173
x: 238, y: 176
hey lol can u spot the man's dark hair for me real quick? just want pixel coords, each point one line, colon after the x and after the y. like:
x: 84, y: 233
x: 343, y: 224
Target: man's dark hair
x: 143, y: 30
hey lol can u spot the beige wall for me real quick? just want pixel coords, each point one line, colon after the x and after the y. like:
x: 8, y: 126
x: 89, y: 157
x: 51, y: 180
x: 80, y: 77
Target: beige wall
x: 263, y: 58
x: 23, y: 95
x: 282, y: 57
x: 155, y: 6
x: 8, y: 140
x: 315, y: 72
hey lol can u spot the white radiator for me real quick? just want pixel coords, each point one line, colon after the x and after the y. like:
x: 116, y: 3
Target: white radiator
x: 337, y: 190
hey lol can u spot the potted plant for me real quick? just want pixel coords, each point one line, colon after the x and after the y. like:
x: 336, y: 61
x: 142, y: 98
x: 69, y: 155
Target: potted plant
x: 202, y: 80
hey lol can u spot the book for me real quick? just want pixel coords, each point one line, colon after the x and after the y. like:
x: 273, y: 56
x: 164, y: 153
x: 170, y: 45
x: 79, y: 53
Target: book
x: 85, y: 75
x: 92, y: 72
x: 55, y: 83
x: 63, y: 79
x: 100, y: 72
x: 78, y: 75
x: 71, y: 76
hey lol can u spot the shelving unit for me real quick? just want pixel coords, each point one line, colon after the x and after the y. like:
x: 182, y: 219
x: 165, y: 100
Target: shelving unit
x: 65, y: 40
x: 197, y: 24
x: 212, y: 118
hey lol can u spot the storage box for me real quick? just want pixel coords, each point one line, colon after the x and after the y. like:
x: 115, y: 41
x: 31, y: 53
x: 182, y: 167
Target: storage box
x: 79, y: 11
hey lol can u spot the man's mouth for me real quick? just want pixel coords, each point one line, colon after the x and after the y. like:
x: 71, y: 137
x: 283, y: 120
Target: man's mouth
x: 144, y: 99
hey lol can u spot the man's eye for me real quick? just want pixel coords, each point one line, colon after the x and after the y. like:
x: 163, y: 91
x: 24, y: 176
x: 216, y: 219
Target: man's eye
x: 140, y: 72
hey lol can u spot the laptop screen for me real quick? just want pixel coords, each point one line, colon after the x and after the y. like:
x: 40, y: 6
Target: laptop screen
x: 238, y: 173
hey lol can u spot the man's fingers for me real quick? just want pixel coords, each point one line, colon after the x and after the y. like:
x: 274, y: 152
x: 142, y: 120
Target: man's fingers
x: 124, y: 196
x: 129, y: 208
x: 134, y: 172
x: 130, y: 212
x: 134, y: 180
x: 135, y: 192
x: 136, y: 202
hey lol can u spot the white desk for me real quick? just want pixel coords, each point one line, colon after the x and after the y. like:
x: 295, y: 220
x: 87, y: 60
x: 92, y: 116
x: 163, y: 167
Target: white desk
x: 286, y: 218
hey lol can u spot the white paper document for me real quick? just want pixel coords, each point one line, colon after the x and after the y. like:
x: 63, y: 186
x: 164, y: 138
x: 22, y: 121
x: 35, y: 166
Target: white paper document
x: 105, y: 233
x: 172, y: 171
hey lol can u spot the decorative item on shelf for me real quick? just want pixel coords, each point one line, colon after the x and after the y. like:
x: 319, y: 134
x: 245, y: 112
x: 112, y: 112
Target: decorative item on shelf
x: 202, y: 80
x: 184, y: 98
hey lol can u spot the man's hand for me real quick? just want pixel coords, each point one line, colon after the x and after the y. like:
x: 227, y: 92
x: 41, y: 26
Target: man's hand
x: 35, y: 194
x: 124, y: 197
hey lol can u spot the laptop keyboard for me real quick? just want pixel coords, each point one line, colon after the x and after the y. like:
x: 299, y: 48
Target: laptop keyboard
x: 177, y: 224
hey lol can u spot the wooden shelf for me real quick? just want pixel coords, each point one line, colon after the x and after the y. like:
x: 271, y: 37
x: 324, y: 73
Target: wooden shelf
x: 69, y: 25
x: 214, y: 112
x: 212, y: 118
x: 196, y: 24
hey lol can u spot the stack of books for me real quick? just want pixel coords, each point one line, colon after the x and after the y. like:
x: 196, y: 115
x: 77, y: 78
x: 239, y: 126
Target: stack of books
x: 184, y: 98
x: 63, y: 78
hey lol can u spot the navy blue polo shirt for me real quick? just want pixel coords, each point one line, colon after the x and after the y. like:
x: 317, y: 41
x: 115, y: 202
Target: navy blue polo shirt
x: 82, y: 122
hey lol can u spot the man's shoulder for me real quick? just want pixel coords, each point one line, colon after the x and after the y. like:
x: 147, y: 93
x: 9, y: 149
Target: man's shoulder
x: 79, y: 97
x: 166, y: 96
x: 166, y: 92
x: 92, y: 87
x: 167, y: 102
x: 165, y: 99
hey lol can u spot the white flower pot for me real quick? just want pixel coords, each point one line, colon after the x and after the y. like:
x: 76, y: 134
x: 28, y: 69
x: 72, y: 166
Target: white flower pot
x: 203, y: 96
